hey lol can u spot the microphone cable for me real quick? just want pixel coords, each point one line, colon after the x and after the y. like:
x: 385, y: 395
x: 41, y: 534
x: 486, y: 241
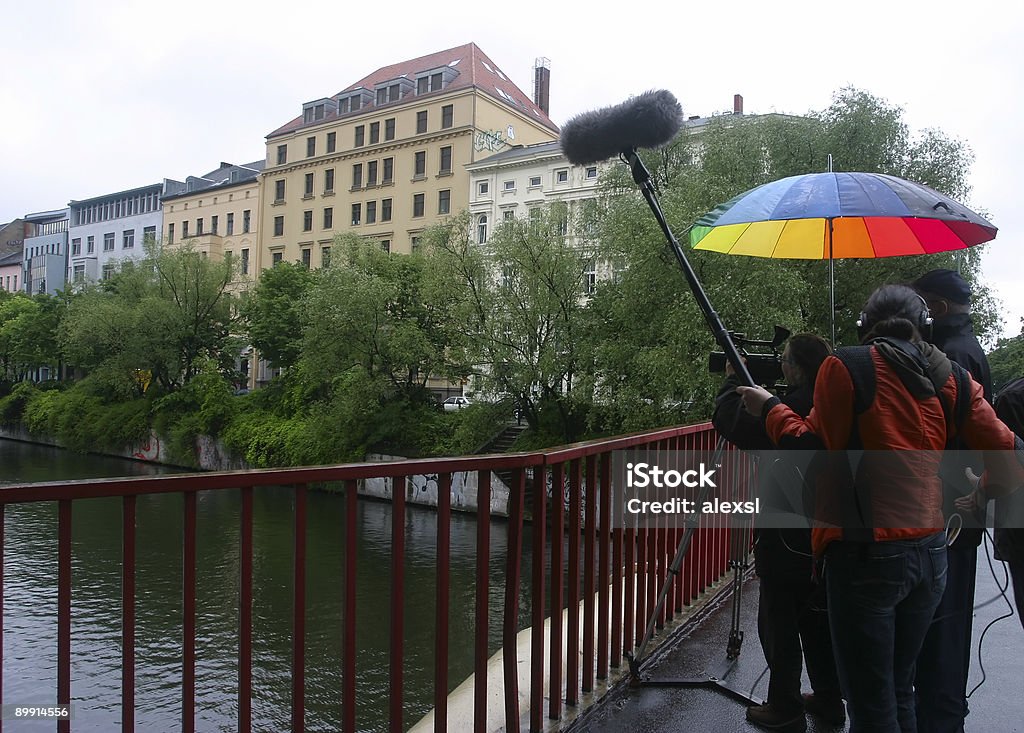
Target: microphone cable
x: 1002, y: 594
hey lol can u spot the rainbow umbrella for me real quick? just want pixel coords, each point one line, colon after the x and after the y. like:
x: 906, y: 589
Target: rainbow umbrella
x: 829, y: 215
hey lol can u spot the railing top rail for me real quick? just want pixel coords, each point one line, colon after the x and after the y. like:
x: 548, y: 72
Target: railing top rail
x: 217, y: 480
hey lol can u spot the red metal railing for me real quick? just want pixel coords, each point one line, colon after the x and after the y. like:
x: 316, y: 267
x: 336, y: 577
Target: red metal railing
x: 620, y: 574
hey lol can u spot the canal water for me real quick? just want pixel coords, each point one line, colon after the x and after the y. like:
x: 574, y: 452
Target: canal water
x: 30, y: 602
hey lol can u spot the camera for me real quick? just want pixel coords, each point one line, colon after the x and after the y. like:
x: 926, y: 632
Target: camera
x: 763, y: 358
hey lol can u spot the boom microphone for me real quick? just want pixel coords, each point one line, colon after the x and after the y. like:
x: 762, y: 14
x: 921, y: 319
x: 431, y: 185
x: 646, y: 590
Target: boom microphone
x: 646, y: 121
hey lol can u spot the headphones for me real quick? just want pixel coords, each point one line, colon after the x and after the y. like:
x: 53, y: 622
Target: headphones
x: 921, y: 321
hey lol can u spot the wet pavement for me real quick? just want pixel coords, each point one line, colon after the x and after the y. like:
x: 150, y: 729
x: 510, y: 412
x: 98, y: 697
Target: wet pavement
x: 997, y: 705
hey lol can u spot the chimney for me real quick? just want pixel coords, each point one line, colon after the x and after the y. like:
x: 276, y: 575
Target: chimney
x: 542, y: 83
x: 737, y: 104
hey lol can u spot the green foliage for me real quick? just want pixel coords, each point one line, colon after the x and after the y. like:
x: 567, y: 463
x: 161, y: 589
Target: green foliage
x: 155, y: 323
x: 204, y: 406
x: 1007, y: 361
x: 274, y: 312
x: 12, y: 405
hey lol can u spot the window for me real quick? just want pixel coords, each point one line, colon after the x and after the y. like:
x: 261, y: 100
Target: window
x: 170, y: 239
x: 282, y: 154
x: 590, y: 277
x: 245, y: 221
x: 199, y: 227
x: 421, y: 122
x: 276, y: 257
x: 128, y: 239
x: 482, y: 188
x: 108, y: 242
x: 447, y: 116
x: 417, y: 204
x: 385, y: 244
x: 371, y: 173
x: 371, y: 212
x: 307, y: 221
x: 446, y: 160
x: 389, y: 129
x: 444, y: 201
x: 357, y: 175
x: 332, y: 141
x: 385, y: 210
x: 184, y: 232
x: 213, y: 225
x: 481, y: 229
x: 329, y: 218
x: 279, y: 191
x: 360, y: 132
x: 508, y: 215
x: 509, y: 185
x: 562, y: 176
x: 325, y: 257
x: 534, y: 181
x: 414, y: 243
x: 308, y: 191
x: 279, y: 226
x: 329, y: 180
x: 245, y: 261
x: 310, y: 147
x: 591, y: 172
x: 307, y: 256
x: 357, y: 210
x: 420, y: 168
x: 229, y: 225
x: 108, y: 271
x: 79, y: 273
x: 374, y: 132
x: 76, y: 246
x: 389, y: 171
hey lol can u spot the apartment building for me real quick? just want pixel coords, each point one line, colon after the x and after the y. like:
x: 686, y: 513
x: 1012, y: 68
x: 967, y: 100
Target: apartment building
x: 45, y: 251
x: 217, y: 212
x: 386, y: 157
x: 112, y: 227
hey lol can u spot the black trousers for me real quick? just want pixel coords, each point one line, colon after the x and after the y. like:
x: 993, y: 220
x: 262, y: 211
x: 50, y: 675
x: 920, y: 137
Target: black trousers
x: 792, y: 623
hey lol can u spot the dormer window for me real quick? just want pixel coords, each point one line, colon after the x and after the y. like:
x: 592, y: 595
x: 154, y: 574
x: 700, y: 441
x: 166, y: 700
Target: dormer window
x: 387, y: 94
x: 431, y: 83
x: 353, y: 102
x: 314, y: 111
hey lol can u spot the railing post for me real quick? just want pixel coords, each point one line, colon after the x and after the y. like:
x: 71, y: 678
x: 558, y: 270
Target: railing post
x: 245, y: 614
x: 397, y: 631
x: 513, y: 573
x: 572, y: 611
x: 188, y: 615
x: 348, y: 660
x: 64, y: 608
x: 539, y: 527
x: 557, y: 561
x: 590, y: 538
x: 442, y: 602
x: 483, y: 587
x: 128, y: 614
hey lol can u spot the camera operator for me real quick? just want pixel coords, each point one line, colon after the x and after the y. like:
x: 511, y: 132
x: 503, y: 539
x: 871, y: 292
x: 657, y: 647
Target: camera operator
x: 791, y: 607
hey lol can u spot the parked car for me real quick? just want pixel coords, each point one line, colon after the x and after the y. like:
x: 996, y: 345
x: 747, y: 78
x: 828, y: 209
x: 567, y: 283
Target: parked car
x: 455, y: 403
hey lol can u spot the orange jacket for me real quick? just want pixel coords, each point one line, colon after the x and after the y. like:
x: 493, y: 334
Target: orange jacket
x: 899, y: 484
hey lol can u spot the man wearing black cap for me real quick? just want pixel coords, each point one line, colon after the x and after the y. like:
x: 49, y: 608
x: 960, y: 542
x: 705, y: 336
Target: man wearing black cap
x: 945, y: 658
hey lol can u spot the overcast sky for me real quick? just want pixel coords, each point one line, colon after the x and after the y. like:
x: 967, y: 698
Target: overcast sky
x: 108, y: 95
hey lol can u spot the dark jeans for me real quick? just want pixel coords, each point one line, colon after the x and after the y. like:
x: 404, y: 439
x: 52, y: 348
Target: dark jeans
x: 788, y: 614
x: 945, y: 657
x: 1010, y: 549
x: 881, y: 599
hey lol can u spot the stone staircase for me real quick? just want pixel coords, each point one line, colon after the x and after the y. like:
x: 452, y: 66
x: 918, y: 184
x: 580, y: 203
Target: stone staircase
x: 502, y: 443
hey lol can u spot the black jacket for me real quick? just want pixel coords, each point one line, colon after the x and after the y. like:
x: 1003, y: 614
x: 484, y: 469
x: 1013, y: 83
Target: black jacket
x: 785, y: 554
x: 954, y: 336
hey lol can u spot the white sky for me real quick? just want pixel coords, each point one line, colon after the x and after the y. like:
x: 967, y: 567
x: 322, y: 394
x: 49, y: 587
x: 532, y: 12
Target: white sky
x: 104, y: 96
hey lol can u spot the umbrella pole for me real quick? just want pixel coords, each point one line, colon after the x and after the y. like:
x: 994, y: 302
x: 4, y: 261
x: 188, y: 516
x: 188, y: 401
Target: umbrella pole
x: 831, y: 284
x: 642, y: 177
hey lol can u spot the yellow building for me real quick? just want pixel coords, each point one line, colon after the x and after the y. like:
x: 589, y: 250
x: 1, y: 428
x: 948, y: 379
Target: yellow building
x: 218, y: 213
x: 386, y: 156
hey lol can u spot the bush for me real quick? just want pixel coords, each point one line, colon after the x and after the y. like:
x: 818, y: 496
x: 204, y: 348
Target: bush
x: 12, y: 406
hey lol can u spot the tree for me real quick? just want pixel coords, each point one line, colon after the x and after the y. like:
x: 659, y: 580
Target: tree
x: 274, y: 314
x: 28, y: 327
x: 156, y: 321
x: 652, y: 337
x: 521, y: 313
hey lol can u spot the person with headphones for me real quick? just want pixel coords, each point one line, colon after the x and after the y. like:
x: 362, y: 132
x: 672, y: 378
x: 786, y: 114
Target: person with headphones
x: 940, y: 685
x: 883, y: 413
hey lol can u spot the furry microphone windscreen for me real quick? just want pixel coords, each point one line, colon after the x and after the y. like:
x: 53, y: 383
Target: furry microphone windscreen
x: 648, y: 120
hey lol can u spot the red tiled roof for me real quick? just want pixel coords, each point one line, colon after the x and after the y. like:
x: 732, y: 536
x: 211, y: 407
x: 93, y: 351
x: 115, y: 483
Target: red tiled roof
x: 475, y: 70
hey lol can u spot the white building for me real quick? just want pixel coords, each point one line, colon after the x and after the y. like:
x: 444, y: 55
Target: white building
x: 45, y: 251
x: 112, y: 227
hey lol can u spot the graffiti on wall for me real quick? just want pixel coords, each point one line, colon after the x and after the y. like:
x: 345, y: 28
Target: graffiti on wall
x: 493, y: 140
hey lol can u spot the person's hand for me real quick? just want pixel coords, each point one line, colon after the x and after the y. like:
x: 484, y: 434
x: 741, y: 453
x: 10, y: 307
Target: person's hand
x: 974, y: 502
x: 754, y: 399
x: 730, y: 371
